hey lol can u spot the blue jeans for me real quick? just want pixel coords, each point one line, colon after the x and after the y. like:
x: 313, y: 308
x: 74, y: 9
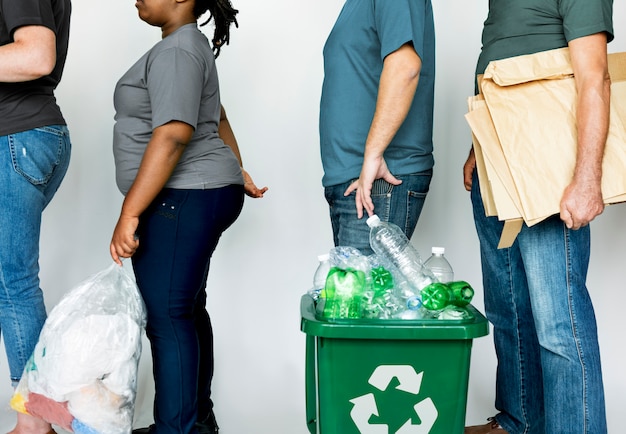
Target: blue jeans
x: 400, y: 204
x: 32, y: 166
x: 548, y: 378
x: 177, y: 236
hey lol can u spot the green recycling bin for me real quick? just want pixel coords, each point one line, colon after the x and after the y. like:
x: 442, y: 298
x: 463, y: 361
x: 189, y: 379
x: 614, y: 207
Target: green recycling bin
x: 387, y: 376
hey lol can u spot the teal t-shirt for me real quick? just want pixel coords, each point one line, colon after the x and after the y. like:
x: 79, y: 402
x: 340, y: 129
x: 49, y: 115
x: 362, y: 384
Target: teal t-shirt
x: 367, y: 31
x: 515, y: 27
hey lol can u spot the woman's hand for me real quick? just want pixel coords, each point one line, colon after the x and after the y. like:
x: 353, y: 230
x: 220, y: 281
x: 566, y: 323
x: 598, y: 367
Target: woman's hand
x: 250, y: 187
x: 124, y: 242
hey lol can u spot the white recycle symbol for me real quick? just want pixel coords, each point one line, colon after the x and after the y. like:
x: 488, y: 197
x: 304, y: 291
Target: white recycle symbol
x: 411, y: 382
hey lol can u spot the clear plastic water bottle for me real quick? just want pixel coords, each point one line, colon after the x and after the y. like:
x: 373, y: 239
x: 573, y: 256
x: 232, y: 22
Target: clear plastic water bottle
x: 320, y: 275
x: 388, y: 240
x: 439, y: 265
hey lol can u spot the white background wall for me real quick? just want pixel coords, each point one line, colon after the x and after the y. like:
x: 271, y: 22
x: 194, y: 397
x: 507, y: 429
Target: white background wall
x: 271, y: 77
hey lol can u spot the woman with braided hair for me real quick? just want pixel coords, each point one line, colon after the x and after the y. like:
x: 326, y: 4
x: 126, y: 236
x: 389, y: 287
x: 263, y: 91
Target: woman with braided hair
x: 183, y: 188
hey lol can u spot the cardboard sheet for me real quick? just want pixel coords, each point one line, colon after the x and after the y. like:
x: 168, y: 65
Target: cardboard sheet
x: 524, y: 126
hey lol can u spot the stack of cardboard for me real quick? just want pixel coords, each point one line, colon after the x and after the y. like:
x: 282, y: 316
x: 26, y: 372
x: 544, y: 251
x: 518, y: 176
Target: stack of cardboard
x: 524, y: 131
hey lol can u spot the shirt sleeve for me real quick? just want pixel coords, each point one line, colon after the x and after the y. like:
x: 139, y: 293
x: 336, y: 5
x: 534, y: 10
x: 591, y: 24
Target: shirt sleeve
x: 399, y: 22
x: 28, y: 13
x: 175, y: 82
x: 585, y: 17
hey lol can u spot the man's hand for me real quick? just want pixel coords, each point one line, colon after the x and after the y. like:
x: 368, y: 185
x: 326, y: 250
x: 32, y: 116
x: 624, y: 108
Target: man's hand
x: 373, y: 169
x: 468, y: 170
x: 581, y: 203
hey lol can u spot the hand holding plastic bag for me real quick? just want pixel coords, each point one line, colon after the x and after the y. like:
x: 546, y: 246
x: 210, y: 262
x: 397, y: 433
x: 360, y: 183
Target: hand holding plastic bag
x: 82, y: 374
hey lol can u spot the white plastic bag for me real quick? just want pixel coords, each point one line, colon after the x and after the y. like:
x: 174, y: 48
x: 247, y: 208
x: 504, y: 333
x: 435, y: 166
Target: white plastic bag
x: 82, y: 375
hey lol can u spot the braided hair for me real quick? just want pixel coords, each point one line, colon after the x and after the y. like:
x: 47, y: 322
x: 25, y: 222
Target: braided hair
x: 223, y: 15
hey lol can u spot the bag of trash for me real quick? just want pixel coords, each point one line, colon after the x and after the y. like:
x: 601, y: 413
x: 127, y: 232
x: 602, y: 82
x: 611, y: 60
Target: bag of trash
x: 82, y: 375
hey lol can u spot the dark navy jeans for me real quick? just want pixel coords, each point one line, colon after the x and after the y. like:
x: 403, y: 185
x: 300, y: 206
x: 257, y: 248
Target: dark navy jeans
x: 177, y: 236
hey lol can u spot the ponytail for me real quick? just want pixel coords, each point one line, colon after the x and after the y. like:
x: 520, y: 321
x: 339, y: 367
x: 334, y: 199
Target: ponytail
x: 223, y: 14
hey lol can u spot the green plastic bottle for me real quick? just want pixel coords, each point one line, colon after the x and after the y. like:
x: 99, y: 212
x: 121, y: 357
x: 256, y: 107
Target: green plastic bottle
x: 342, y: 293
x: 438, y: 296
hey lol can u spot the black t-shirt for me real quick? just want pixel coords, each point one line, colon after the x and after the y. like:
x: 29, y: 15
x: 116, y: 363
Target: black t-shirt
x: 31, y: 104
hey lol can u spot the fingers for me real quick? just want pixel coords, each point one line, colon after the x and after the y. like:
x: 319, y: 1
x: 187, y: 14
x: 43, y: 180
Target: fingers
x: 367, y: 203
x: 567, y: 218
x: 467, y: 177
x: 250, y: 187
x: 123, y: 250
x: 391, y: 179
x: 253, y: 191
x: 468, y: 170
x: 114, y: 255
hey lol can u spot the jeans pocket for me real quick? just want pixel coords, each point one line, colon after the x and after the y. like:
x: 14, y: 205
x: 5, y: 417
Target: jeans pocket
x: 36, y: 153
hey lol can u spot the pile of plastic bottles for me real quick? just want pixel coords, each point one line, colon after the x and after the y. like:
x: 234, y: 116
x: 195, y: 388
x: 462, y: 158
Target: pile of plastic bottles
x: 393, y: 283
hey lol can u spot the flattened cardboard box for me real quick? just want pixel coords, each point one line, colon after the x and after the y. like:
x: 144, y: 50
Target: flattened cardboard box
x: 524, y: 132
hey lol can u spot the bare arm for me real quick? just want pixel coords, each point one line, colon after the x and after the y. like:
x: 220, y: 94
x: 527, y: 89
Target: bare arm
x: 582, y: 199
x: 32, y: 55
x: 159, y: 160
x: 398, y: 82
x: 228, y: 136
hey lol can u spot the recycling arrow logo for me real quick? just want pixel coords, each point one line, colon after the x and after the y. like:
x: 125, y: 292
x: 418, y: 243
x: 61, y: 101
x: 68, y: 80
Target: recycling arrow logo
x: 365, y: 412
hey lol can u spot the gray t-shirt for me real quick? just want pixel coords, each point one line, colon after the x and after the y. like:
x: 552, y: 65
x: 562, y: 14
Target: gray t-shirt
x: 175, y: 81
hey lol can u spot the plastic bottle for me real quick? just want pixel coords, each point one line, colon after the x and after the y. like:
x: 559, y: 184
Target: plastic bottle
x: 388, y: 240
x: 438, y: 296
x: 343, y: 293
x: 439, y: 265
x: 321, y: 273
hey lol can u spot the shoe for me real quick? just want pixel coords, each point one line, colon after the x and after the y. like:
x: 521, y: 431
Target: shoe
x: 145, y: 430
x: 491, y: 427
x: 208, y: 425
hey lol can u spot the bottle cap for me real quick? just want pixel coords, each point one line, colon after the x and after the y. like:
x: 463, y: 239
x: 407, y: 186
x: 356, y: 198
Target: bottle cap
x: 373, y: 221
x: 323, y: 257
x: 438, y: 250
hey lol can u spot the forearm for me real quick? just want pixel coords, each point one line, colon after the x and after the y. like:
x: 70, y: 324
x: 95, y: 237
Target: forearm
x: 398, y: 83
x: 592, y: 125
x: 159, y: 161
x: 593, y: 87
x: 32, y: 55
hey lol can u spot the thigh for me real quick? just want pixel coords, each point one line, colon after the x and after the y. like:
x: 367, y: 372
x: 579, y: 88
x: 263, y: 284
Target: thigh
x: 407, y: 200
x: 348, y: 229
x: 556, y: 261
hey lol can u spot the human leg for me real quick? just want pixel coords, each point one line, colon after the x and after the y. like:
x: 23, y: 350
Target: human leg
x: 177, y: 235
x: 556, y: 261
x: 206, y: 416
x: 519, y: 388
x: 32, y: 166
x: 401, y: 204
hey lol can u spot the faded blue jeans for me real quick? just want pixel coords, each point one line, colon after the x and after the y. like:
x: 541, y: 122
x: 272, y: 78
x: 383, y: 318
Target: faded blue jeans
x: 32, y: 166
x: 548, y: 377
x: 400, y: 204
